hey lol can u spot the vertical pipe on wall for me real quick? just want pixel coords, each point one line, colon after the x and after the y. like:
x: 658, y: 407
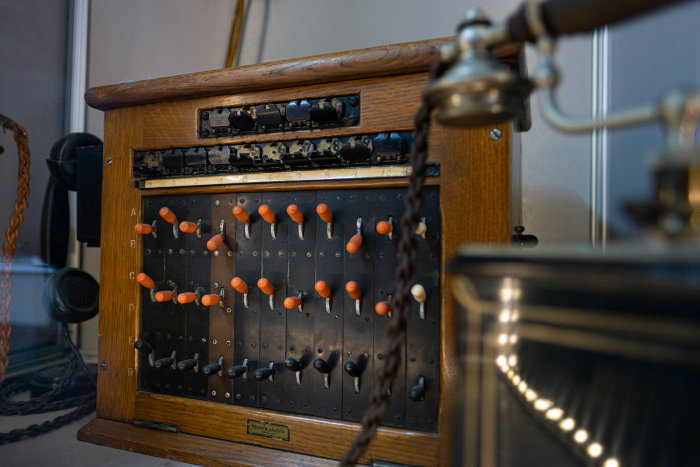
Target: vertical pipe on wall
x: 599, y: 139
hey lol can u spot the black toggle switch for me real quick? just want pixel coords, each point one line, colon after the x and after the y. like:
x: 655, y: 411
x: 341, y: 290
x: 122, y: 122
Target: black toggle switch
x: 241, y: 120
x: 296, y: 366
x: 265, y: 373
x: 353, y: 370
x: 143, y: 346
x: 189, y: 363
x: 324, y: 367
x: 418, y: 391
x: 293, y: 364
x: 237, y: 370
x: 165, y: 362
x: 212, y: 368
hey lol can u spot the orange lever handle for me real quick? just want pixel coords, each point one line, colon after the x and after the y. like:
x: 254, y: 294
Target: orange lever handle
x: 164, y: 296
x: 266, y: 213
x: 266, y: 286
x: 186, y: 297
x: 384, y: 228
x: 215, y: 242
x: 354, y: 244
x: 353, y: 289
x: 144, y: 280
x: 168, y: 215
x: 239, y: 285
x: 382, y: 308
x: 323, y: 289
x: 292, y: 302
x: 241, y: 214
x: 295, y: 213
x: 324, y: 212
x: 210, y: 299
x: 143, y: 229
x: 188, y: 227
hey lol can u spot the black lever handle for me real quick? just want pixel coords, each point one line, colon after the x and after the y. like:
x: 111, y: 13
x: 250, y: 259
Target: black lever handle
x: 212, y: 368
x: 186, y: 364
x: 352, y: 369
x: 237, y: 370
x: 293, y: 364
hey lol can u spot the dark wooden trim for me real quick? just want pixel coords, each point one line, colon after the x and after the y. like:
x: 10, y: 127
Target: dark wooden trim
x: 410, y: 57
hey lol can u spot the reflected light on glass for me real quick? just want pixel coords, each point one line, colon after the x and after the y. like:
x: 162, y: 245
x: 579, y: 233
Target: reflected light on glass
x: 611, y: 462
x: 512, y: 360
x: 555, y: 413
x: 516, y: 380
x: 542, y: 404
x: 513, y: 339
x: 504, y: 316
x: 502, y: 339
x: 594, y: 450
x: 567, y: 424
x: 581, y: 436
x: 522, y: 387
x: 530, y: 395
x: 501, y: 360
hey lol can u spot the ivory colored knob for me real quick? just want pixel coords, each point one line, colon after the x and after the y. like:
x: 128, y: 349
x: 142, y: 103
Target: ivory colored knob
x: 418, y: 292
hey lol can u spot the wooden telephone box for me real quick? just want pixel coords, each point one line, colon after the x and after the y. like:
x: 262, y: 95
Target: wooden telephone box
x: 198, y: 367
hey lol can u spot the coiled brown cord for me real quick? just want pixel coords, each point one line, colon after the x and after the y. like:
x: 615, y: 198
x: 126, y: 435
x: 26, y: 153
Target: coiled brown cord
x: 401, y: 305
x: 11, y: 234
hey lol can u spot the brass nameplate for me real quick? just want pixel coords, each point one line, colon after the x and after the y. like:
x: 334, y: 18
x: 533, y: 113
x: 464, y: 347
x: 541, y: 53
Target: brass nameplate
x: 268, y: 430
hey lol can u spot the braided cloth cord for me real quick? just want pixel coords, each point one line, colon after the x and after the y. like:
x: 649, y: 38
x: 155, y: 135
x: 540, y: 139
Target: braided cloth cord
x: 11, y: 234
x: 405, y: 272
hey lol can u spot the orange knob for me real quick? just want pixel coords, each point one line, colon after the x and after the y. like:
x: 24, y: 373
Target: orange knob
x: 292, y: 302
x: 143, y: 229
x: 384, y: 228
x: 210, y: 299
x: 238, y: 284
x: 265, y: 286
x: 295, y: 213
x: 382, y: 308
x: 353, y: 289
x: 266, y: 213
x: 164, y: 295
x: 186, y: 297
x: 215, y: 242
x: 324, y: 212
x: 188, y: 227
x: 241, y: 214
x: 354, y: 243
x: 323, y: 289
x: 145, y: 281
x: 168, y: 215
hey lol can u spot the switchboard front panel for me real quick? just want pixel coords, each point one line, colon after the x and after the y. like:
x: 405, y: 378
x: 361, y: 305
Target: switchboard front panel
x: 281, y: 315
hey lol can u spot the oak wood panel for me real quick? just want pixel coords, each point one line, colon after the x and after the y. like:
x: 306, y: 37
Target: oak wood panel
x: 310, y: 435
x: 120, y: 261
x: 385, y: 104
x: 190, y: 448
x: 411, y: 57
x: 475, y: 208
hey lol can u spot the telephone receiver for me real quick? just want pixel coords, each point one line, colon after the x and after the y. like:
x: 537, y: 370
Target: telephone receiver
x: 75, y: 163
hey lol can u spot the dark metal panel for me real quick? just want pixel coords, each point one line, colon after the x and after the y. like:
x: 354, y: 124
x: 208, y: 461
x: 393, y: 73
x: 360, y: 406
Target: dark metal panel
x: 300, y: 324
x: 246, y: 325
x: 172, y: 321
x: 273, y: 321
x: 196, y: 257
x: 389, y: 203
x: 423, y: 336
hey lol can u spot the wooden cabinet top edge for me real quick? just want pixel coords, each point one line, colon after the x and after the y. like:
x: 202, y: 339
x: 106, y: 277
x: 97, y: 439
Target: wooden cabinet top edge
x: 410, y: 57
